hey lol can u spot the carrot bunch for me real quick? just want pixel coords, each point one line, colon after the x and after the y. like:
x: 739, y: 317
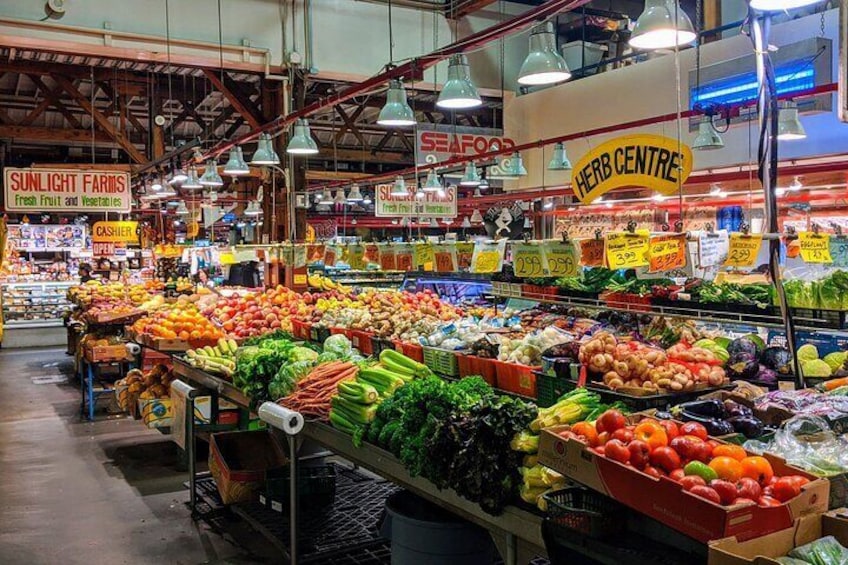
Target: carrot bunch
x: 314, y: 392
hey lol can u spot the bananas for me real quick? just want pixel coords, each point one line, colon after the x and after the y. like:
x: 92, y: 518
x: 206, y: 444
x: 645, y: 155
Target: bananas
x: 323, y: 283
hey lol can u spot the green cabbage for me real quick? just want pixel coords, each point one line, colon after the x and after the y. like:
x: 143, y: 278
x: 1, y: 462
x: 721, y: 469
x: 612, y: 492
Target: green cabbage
x: 338, y: 344
x: 815, y: 368
x: 807, y: 352
x: 303, y: 354
x: 835, y: 360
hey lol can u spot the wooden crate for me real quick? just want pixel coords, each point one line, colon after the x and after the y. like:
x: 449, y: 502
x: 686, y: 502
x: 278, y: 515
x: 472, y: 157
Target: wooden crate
x: 101, y: 353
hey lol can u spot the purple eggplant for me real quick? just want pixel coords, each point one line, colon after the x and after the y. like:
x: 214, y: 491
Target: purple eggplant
x: 715, y: 426
x: 710, y: 408
x: 736, y: 410
x: 748, y: 426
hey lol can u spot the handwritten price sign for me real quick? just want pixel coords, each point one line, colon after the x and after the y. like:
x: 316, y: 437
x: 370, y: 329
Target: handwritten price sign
x: 528, y: 260
x: 627, y: 250
x: 592, y: 252
x: 562, y: 259
x: 815, y: 248
x: 330, y: 256
x: 388, y: 260
x: 839, y: 251
x: 667, y: 253
x: 404, y: 258
x: 488, y: 257
x: 445, y: 255
x: 424, y: 256
x: 299, y: 256
x: 464, y: 254
x: 356, y: 257
x: 743, y: 250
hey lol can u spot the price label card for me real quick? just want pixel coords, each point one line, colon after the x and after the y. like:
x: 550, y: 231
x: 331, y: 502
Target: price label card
x: 667, y: 253
x: 315, y: 253
x: 356, y: 257
x: 424, y: 256
x: 627, y: 250
x: 299, y: 256
x: 712, y: 249
x: 331, y: 255
x: 592, y: 252
x: 743, y: 250
x: 839, y: 251
x: 488, y: 257
x: 464, y: 254
x: 388, y: 259
x: 815, y: 247
x: 562, y: 259
x: 445, y: 256
x: 528, y: 260
x: 372, y: 253
x: 404, y: 258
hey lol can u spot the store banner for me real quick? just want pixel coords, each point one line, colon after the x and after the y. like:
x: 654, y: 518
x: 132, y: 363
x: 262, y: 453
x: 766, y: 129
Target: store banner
x: 431, y: 205
x: 654, y: 161
x: 115, y: 232
x: 63, y: 190
x: 438, y: 143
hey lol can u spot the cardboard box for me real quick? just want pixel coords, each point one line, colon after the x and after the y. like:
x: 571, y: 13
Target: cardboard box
x: 663, y: 499
x: 239, y: 462
x: 766, y: 549
x: 156, y: 412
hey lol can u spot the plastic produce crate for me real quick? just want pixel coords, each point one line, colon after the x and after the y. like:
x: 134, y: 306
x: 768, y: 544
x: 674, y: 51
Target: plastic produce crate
x: 316, y: 488
x: 378, y: 344
x: 301, y: 330
x: 517, y: 379
x: 362, y: 341
x: 441, y: 361
x: 585, y: 512
x: 471, y: 365
x: 550, y: 387
x: 413, y: 351
x: 319, y: 333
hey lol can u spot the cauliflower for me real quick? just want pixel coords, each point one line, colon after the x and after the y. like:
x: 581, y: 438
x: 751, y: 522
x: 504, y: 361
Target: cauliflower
x: 835, y: 360
x: 815, y: 368
x: 807, y: 352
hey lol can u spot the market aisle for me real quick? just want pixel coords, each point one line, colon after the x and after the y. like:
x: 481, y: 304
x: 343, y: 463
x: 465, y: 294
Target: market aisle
x: 74, y: 492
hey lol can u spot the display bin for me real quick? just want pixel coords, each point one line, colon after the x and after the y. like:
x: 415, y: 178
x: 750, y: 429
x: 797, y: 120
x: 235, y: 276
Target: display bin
x: 343, y: 331
x: 533, y: 290
x: 106, y: 353
x: 240, y: 461
x: 319, y: 334
x: 441, y: 361
x: 301, y: 330
x: 550, y: 387
x: 316, y: 489
x: 471, y: 365
x: 499, y: 287
x: 414, y: 352
x: 514, y: 290
x: 584, y: 511
x: 517, y: 379
x: 378, y: 344
x: 362, y: 341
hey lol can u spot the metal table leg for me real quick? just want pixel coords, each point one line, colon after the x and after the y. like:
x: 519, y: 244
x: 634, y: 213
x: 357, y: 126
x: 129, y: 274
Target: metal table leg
x: 190, y: 393
x: 91, y: 397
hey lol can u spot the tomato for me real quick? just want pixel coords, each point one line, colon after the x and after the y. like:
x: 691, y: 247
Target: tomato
x: 603, y: 437
x: 617, y: 451
x: 665, y: 458
x: 567, y: 434
x: 598, y: 449
x: 708, y: 493
x: 797, y: 479
x: 623, y: 435
x: 651, y: 433
x: 586, y: 430
x: 671, y: 429
x: 725, y: 489
x: 640, y: 453
x: 702, y: 452
x: 729, y: 450
x: 701, y: 470
x: 652, y: 471
x: 694, y: 429
x: 684, y: 446
x: 758, y: 468
x: 748, y: 488
x: 610, y: 421
x: 690, y: 481
x: 677, y: 474
x: 786, y: 489
x: 726, y: 468
x: 768, y: 501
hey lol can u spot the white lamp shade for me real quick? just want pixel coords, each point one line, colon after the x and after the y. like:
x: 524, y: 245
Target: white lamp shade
x: 265, y: 154
x: 459, y: 92
x: 399, y: 187
x: 396, y: 112
x: 559, y: 160
x: 235, y: 164
x: 543, y: 64
x: 789, y: 127
x: 301, y: 142
x: 192, y: 182
x: 471, y: 177
x: 657, y: 27
x: 708, y: 138
x: 355, y: 195
x: 210, y: 176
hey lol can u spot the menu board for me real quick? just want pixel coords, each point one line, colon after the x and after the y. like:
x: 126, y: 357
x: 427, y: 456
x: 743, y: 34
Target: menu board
x: 47, y: 237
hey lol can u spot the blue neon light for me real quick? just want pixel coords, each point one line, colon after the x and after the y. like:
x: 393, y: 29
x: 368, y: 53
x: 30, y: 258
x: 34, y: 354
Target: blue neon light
x: 794, y: 77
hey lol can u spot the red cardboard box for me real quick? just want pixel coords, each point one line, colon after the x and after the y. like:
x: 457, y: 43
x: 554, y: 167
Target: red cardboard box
x: 663, y: 499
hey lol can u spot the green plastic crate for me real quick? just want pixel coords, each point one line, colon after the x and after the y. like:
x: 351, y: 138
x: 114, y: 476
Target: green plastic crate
x: 550, y: 387
x: 441, y: 361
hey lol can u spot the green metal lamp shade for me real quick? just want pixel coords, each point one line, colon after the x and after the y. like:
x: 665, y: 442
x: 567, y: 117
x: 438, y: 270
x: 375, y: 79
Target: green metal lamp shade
x: 516, y: 166
x: 301, y: 142
x: 459, y: 92
x: 396, y: 112
x: 780, y: 5
x: 471, y: 176
x: 192, y: 182
x: 789, y: 127
x: 543, y: 65
x: 432, y: 183
x: 210, y: 176
x: 399, y: 187
x: 559, y: 160
x: 708, y: 138
x: 235, y: 164
x: 265, y: 154
x: 656, y: 28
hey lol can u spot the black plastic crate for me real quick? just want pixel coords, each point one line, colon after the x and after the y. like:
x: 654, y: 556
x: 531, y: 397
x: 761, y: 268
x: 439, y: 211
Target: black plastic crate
x: 316, y: 488
x: 584, y: 511
x: 319, y: 333
x: 550, y: 387
x: 378, y: 344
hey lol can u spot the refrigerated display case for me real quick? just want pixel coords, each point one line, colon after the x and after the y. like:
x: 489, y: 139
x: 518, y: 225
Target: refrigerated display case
x: 456, y: 288
x: 35, y: 304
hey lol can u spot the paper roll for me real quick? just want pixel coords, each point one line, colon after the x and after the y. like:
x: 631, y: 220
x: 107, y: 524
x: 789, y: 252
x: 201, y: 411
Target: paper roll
x: 280, y: 417
x: 133, y: 348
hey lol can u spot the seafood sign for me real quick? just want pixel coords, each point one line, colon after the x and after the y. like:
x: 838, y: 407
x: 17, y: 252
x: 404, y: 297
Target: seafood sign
x: 44, y: 190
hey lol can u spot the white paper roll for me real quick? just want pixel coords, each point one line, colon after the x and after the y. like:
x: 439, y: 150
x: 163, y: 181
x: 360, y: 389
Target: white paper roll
x: 282, y: 418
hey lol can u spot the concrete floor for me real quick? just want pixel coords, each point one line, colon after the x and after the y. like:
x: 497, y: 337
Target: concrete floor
x: 89, y: 493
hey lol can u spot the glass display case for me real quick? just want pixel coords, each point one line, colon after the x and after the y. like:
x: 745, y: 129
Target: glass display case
x: 456, y: 288
x: 35, y: 304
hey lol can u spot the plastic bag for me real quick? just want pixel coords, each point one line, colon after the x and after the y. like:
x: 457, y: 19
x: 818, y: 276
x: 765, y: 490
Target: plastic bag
x: 809, y: 443
x: 824, y: 551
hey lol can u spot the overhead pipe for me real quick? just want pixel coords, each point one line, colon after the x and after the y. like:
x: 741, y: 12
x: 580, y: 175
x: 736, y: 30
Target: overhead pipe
x: 473, y: 41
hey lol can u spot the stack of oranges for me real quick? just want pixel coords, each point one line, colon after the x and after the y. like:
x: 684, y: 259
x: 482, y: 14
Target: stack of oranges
x: 182, y: 321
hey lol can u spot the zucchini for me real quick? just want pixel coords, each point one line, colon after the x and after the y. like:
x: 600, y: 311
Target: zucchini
x: 398, y: 359
x: 399, y: 370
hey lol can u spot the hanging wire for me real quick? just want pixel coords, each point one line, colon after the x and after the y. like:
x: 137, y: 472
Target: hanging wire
x: 679, y: 118
x: 93, y: 109
x: 391, y: 35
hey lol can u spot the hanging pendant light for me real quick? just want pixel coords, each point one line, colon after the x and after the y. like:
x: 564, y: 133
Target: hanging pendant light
x: 656, y: 27
x: 789, y: 127
x: 399, y: 187
x: 167, y: 191
x: 353, y: 222
x: 434, y: 223
x: 182, y: 210
x: 708, y: 138
x: 459, y: 92
x: 178, y: 175
x: 484, y: 181
x: 559, y: 160
x: 476, y: 217
x: 354, y: 195
x: 419, y: 191
x: 191, y: 182
x: 780, y: 5
x: 447, y: 221
x: 548, y: 204
x: 156, y: 184
x: 235, y: 164
x: 466, y: 223
x: 253, y: 209
x: 516, y: 166
x: 301, y: 142
x: 340, y: 196
x: 265, y: 154
x: 527, y: 223
x: 326, y: 195
x: 471, y: 176
x: 543, y: 64
x: 432, y: 183
x: 396, y: 112
x: 366, y: 200
x: 477, y: 193
x: 210, y: 176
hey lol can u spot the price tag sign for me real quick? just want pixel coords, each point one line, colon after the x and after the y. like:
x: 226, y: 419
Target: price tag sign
x: 488, y: 257
x: 815, y: 247
x: 404, y: 258
x: 528, y: 260
x: 445, y: 256
x: 464, y: 254
x: 356, y: 257
x: 562, y: 259
x: 424, y: 256
x: 330, y: 256
x: 712, y: 249
x: 388, y: 258
x: 839, y: 251
x: 372, y: 253
x: 299, y: 256
x: 315, y: 253
x: 627, y: 250
x: 592, y: 252
x: 667, y: 253
x: 743, y: 250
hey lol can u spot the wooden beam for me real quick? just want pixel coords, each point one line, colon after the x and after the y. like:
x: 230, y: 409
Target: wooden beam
x: 52, y: 97
x: 234, y: 127
x: 350, y: 124
x: 121, y: 167
x: 100, y: 119
x: 405, y: 140
x: 53, y: 135
x: 230, y: 90
x: 368, y: 156
x: 384, y: 140
x: 335, y: 175
x: 110, y: 92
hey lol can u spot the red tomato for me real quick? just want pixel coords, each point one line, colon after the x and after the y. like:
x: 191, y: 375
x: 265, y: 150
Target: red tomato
x: 653, y: 472
x: 690, y: 481
x: 640, y: 453
x: 599, y: 449
x: 768, y: 501
x: 748, y: 488
x: 623, y: 435
x: 725, y: 489
x: 603, y: 437
x: 702, y: 452
x: 797, y: 479
x: 671, y: 429
x: 786, y: 489
x: 610, y: 421
x: 617, y: 451
x: 706, y: 492
x: 665, y: 458
x: 677, y: 474
x: 651, y: 433
x: 694, y: 429
x: 685, y: 446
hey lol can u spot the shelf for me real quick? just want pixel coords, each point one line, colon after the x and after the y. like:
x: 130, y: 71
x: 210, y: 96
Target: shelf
x: 33, y: 324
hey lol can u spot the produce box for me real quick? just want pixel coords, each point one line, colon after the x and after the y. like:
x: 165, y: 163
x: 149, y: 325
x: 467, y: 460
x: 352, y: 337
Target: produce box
x: 301, y: 330
x: 414, y: 352
x: 149, y: 358
x: 240, y: 462
x: 318, y: 333
x: 765, y: 550
x: 517, y: 379
x: 663, y: 499
x: 156, y: 412
x: 471, y: 365
x: 100, y: 353
x: 362, y: 341
x: 116, y: 318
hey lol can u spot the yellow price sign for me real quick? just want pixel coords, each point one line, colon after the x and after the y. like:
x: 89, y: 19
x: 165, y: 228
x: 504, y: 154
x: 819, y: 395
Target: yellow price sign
x: 667, y: 253
x: 424, y: 256
x: 562, y: 259
x: 487, y: 257
x: 627, y: 250
x: 528, y: 260
x: 743, y: 249
x: 356, y: 257
x: 815, y: 247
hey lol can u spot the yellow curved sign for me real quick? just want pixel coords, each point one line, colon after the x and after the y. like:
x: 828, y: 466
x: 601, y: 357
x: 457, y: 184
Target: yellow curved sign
x: 652, y: 161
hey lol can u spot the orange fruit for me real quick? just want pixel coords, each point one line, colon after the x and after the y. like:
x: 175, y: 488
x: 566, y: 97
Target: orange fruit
x: 184, y: 335
x: 726, y: 468
x: 757, y: 468
x: 728, y: 450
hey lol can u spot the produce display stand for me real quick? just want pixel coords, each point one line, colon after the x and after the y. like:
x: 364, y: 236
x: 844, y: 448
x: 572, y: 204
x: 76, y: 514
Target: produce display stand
x: 93, y: 386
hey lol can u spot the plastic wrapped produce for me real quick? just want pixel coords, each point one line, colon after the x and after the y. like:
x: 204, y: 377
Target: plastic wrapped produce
x: 807, y: 442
